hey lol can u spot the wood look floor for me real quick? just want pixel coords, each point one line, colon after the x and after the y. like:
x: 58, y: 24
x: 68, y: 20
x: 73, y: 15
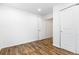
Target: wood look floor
x: 41, y: 47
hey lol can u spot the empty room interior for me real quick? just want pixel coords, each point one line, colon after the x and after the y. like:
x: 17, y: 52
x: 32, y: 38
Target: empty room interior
x: 39, y: 28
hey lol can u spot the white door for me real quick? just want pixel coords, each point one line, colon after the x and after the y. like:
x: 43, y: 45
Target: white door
x: 44, y: 28
x: 68, y: 34
x: 76, y: 23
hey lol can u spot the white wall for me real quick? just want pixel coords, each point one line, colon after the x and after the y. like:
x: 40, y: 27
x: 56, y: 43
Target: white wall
x: 17, y: 26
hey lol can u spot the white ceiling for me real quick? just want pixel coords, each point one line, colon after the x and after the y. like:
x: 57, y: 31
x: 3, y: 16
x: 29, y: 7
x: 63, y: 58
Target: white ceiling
x: 46, y: 8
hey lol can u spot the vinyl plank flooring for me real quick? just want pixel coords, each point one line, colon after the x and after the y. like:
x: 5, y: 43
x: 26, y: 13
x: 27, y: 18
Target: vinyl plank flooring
x: 40, y: 47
